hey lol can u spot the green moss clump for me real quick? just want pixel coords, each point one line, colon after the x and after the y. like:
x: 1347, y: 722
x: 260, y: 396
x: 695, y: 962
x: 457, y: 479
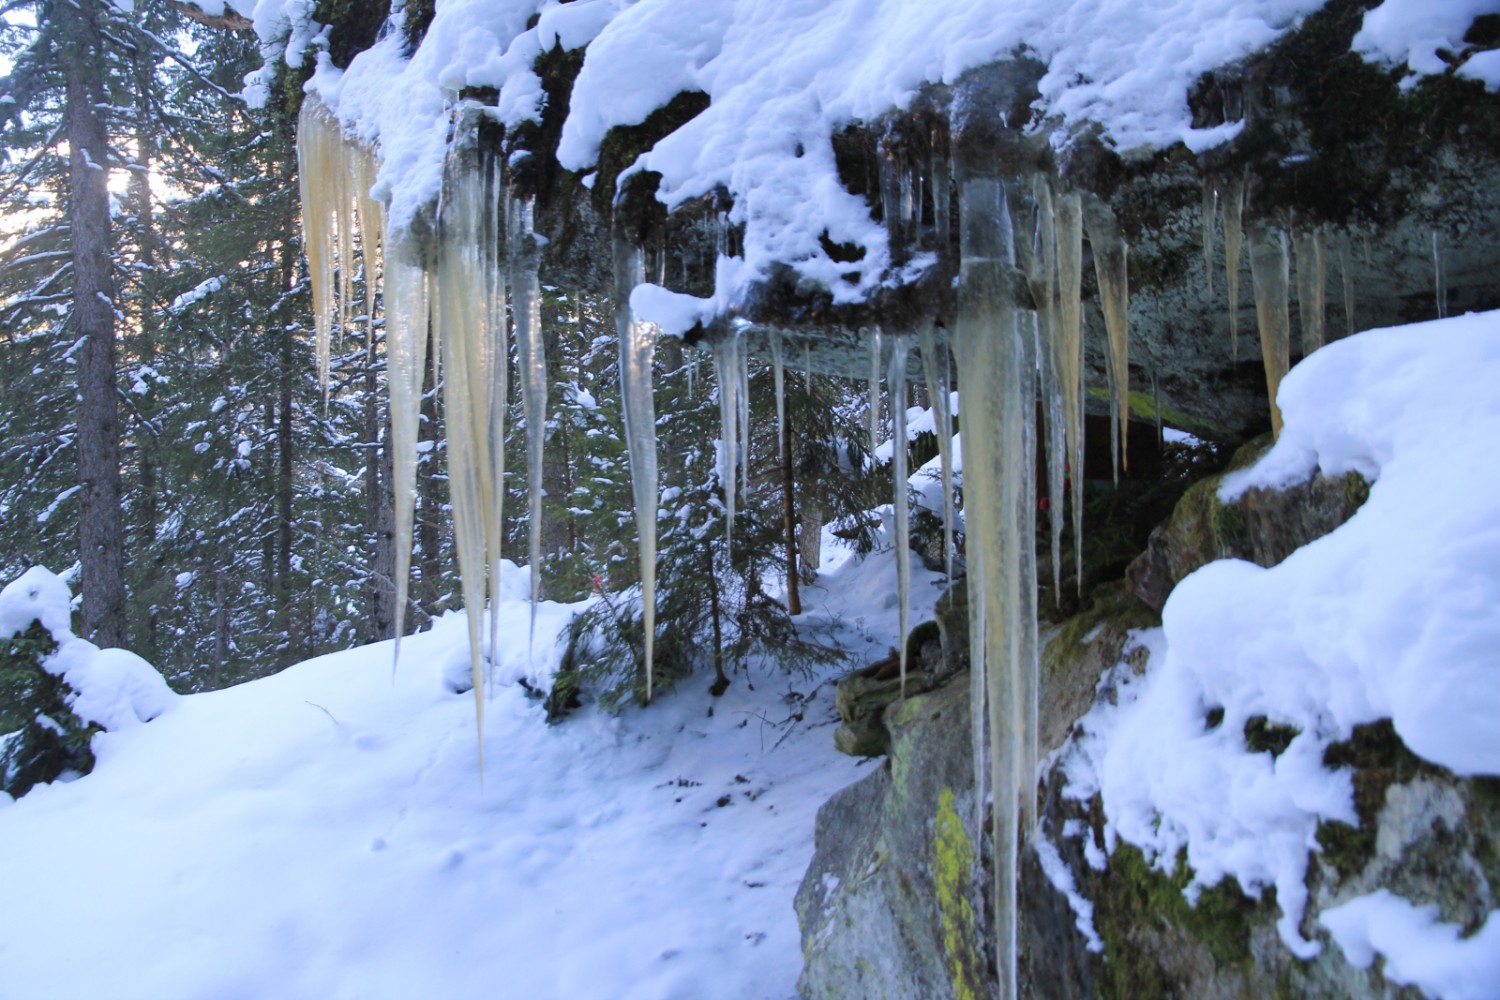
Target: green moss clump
x: 624, y: 144
x: 1379, y: 759
x: 953, y: 867
x: 1133, y: 898
x: 1265, y: 736
x: 1112, y: 605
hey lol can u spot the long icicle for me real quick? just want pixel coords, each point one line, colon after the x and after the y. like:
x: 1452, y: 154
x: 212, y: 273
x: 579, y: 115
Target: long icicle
x: 1346, y: 275
x: 1070, y: 353
x: 1114, y: 301
x: 406, y: 358
x: 727, y: 370
x: 1311, y: 286
x: 991, y: 371
x: 1233, y: 207
x: 1269, y: 268
x: 780, y: 378
x: 895, y: 387
x: 320, y: 168
x: 1439, y: 276
x: 935, y: 369
x: 744, y: 400
x: 526, y: 307
x: 1210, y: 210
x: 495, y: 244
x: 458, y: 284
x: 874, y: 399
x: 637, y: 349
x: 1050, y: 362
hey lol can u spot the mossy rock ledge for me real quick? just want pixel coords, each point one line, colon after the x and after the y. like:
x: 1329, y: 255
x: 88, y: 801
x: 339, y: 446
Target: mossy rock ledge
x: 896, y: 901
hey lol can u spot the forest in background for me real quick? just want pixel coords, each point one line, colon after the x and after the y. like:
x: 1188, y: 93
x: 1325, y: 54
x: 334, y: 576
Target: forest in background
x: 159, y: 324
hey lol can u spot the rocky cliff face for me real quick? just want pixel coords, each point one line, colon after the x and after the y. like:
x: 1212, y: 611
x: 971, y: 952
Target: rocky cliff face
x: 890, y: 908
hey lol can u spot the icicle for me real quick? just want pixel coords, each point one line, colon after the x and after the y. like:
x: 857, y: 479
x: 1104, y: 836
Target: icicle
x: 727, y: 368
x: 1311, y: 286
x: 874, y: 400
x: 1269, y: 268
x: 320, y: 178
x: 1346, y: 274
x: 998, y: 477
x: 1210, y: 210
x: 1045, y: 294
x: 1439, y: 277
x: 363, y: 170
x: 935, y: 368
x: 405, y: 351
x: 744, y: 400
x: 1114, y: 300
x: 468, y: 348
x: 896, y: 390
x: 637, y: 346
x: 526, y: 307
x: 941, y: 198
x: 494, y: 245
x: 807, y: 365
x: 1070, y: 352
x: 1233, y: 206
x: 1025, y: 621
x: 779, y: 373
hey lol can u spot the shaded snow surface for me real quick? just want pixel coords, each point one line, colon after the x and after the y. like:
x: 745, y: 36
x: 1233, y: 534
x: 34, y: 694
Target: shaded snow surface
x: 324, y: 833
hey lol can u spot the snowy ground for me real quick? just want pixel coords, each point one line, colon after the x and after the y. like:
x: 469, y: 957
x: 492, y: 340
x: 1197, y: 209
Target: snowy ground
x: 324, y: 833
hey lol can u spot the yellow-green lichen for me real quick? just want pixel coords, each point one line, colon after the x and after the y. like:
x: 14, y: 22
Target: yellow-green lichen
x: 952, y: 869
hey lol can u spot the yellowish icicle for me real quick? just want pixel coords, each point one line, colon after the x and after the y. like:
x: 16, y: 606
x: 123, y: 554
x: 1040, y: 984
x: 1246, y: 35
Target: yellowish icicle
x: 637, y: 349
x: 993, y: 396
x: 1233, y: 206
x: 1311, y: 286
x: 1269, y: 268
x: 1114, y: 301
x: 1070, y: 351
x: 406, y: 358
x: 320, y: 170
x: 459, y: 290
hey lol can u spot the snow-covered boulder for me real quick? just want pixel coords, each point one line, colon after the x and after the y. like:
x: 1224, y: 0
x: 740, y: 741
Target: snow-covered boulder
x: 58, y: 689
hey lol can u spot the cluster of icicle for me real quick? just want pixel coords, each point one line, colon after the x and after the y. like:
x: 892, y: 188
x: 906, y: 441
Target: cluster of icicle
x: 1271, y: 251
x: 450, y: 299
x: 1008, y: 361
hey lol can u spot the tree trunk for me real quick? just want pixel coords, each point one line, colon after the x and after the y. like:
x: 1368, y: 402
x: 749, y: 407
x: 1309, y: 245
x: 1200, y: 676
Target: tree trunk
x: 789, y: 518
x: 100, y: 538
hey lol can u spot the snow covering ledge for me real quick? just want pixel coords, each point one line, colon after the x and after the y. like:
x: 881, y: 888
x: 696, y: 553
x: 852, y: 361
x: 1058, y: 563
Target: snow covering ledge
x: 1390, y: 616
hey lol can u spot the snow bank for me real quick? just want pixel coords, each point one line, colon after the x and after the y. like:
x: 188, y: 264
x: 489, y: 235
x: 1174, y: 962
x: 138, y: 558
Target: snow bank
x: 1419, y: 950
x: 1391, y: 615
x: 113, y: 688
x: 325, y: 832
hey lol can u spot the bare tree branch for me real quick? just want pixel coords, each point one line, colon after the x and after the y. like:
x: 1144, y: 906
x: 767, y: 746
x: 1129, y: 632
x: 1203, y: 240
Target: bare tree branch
x: 227, y: 21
